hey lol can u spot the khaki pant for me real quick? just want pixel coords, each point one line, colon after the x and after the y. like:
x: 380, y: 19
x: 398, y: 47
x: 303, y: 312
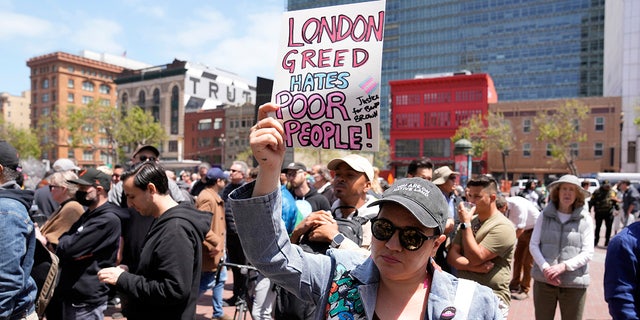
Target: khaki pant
x: 522, y: 264
x: 546, y: 297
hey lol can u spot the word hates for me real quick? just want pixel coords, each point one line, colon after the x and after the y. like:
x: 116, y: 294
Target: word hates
x: 319, y: 81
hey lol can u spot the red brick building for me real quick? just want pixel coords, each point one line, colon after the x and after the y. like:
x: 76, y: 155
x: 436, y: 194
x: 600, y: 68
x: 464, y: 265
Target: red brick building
x: 204, y: 135
x: 426, y: 112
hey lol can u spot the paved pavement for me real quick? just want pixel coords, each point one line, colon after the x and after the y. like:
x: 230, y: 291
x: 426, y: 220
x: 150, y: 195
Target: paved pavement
x: 595, y: 309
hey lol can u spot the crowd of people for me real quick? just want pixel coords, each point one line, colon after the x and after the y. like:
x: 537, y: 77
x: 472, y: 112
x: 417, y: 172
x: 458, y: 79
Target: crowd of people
x: 322, y: 236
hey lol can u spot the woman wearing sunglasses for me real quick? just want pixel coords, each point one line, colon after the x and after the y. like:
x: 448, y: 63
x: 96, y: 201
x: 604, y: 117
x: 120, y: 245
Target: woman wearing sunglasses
x: 397, y: 281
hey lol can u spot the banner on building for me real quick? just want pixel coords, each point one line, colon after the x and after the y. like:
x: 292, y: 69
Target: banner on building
x: 327, y: 80
x: 208, y: 88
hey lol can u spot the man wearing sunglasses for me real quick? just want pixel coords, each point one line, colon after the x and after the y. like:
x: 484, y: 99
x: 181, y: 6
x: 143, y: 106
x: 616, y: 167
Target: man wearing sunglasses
x: 483, y: 247
x: 398, y: 280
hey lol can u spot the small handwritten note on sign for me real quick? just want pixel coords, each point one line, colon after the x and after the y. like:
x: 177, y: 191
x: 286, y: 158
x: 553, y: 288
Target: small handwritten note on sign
x: 327, y: 81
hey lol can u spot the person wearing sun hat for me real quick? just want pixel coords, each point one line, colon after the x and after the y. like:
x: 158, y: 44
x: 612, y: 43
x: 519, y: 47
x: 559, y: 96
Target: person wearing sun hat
x: 562, y: 246
x: 397, y: 279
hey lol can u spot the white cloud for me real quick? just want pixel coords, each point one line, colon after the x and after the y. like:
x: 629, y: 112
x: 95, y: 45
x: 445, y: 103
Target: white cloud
x: 15, y: 25
x: 205, y: 26
x: 98, y: 34
x: 252, y: 53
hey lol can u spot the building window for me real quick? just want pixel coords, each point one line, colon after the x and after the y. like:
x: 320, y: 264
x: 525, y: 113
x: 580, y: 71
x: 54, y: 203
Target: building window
x: 576, y: 125
x: 407, y: 148
x: 175, y: 99
x: 204, y: 124
x: 104, y: 141
x: 87, y: 86
x: 598, y: 149
x: 526, y: 150
x: 142, y: 97
x: 70, y: 97
x: 599, y: 121
x: 548, y: 153
x: 124, y: 100
x: 217, y: 123
x: 437, y: 148
x: 173, y: 146
x: 204, y: 142
x: 156, y: 96
x: 631, y: 152
x: 574, y: 149
x: 86, y: 99
x: 105, y: 89
x: 45, y: 111
x: 45, y: 84
x: 87, y: 155
x: 70, y: 84
x: 87, y: 140
x: 526, y: 125
x: 105, y: 102
x: 70, y: 69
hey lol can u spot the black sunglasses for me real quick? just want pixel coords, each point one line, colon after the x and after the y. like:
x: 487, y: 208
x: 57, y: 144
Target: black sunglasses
x: 145, y: 158
x: 410, y: 238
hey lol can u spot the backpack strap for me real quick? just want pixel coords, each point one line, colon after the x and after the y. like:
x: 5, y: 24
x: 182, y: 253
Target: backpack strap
x: 50, y: 282
x: 464, y: 294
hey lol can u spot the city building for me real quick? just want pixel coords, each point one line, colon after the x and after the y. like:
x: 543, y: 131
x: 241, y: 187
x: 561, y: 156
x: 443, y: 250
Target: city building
x: 533, y: 50
x: 60, y: 81
x: 622, y: 73
x: 204, y: 135
x: 238, y: 122
x: 15, y: 110
x: 426, y: 113
x: 531, y: 158
x: 172, y: 91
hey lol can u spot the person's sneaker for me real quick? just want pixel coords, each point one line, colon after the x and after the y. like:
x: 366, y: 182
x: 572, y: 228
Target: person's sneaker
x: 519, y: 296
x: 223, y: 317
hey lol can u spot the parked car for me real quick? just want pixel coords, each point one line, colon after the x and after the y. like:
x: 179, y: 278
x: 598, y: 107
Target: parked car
x: 594, y: 184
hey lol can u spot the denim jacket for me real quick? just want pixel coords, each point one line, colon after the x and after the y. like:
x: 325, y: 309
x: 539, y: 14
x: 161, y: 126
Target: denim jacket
x: 341, y: 283
x: 17, y: 246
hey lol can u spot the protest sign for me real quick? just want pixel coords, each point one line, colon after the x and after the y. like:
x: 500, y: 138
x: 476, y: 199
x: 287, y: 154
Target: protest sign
x: 327, y: 80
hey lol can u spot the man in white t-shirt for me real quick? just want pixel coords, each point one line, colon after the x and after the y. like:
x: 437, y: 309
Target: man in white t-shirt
x: 523, y: 213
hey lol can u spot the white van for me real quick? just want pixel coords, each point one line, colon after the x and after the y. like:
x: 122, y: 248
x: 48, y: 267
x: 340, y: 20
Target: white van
x: 594, y: 184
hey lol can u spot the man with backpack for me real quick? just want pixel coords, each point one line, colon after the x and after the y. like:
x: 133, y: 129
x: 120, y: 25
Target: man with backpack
x: 17, y: 233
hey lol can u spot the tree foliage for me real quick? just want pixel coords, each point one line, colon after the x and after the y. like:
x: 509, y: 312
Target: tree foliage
x: 24, y: 140
x: 490, y: 132
x: 560, y: 128
x: 130, y: 128
x: 139, y: 127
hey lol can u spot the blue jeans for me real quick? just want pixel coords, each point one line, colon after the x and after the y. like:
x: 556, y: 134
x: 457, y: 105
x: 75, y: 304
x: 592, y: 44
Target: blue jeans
x: 207, y: 281
x: 83, y: 311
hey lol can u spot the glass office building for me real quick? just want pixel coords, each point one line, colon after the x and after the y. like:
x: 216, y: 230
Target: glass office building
x: 533, y: 49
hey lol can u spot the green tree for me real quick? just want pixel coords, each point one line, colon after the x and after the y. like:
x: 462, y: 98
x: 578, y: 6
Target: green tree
x: 24, y: 140
x: 560, y: 128
x: 138, y: 127
x: 490, y: 132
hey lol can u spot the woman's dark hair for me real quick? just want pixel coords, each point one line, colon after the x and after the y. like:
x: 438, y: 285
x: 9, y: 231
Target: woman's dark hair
x: 148, y: 172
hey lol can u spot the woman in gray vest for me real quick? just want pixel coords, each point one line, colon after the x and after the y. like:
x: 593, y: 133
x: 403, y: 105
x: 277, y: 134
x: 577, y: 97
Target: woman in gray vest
x: 562, y: 246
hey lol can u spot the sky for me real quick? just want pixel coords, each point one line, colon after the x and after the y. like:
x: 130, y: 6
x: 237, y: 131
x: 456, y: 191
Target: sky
x: 240, y: 36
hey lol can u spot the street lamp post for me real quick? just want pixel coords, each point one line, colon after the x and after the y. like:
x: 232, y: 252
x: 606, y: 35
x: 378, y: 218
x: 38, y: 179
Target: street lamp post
x: 464, y: 147
x: 222, y: 140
